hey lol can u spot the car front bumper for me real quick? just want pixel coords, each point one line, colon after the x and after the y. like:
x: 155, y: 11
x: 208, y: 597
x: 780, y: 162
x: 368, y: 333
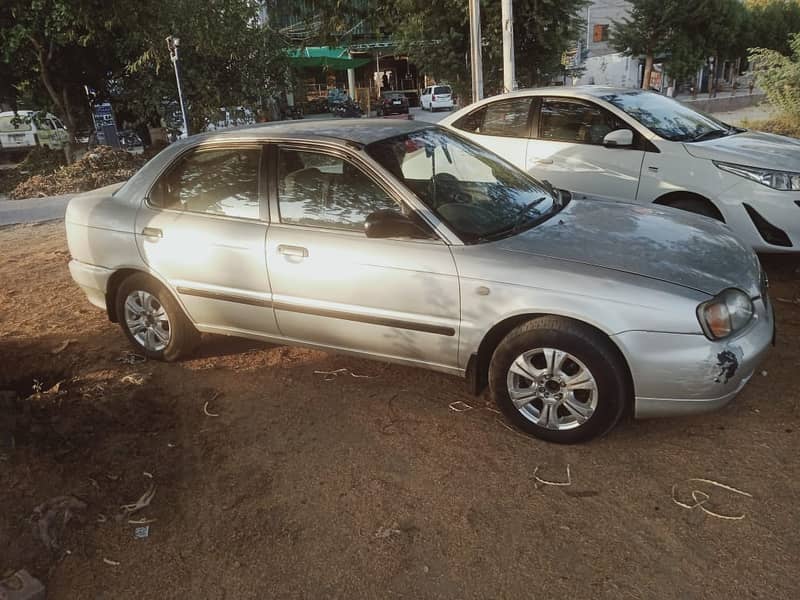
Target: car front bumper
x: 773, y: 216
x: 680, y: 374
x: 93, y: 281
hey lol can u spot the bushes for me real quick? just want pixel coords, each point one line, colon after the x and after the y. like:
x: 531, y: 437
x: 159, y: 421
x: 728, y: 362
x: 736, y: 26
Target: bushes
x: 779, y: 76
x: 98, y: 167
x: 782, y: 125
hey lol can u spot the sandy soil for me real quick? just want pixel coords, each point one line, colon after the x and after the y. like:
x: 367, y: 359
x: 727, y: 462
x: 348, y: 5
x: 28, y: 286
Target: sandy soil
x: 312, y: 486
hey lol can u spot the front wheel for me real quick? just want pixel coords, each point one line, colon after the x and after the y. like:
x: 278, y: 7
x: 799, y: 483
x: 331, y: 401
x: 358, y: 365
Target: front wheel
x: 559, y: 380
x: 153, y: 321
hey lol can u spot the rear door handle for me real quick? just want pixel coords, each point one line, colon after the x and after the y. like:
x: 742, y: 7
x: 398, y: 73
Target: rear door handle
x: 153, y: 232
x: 544, y: 161
x: 293, y: 251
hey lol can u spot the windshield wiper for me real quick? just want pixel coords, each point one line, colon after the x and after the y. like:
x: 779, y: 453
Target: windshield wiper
x: 520, y: 220
x: 713, y: 134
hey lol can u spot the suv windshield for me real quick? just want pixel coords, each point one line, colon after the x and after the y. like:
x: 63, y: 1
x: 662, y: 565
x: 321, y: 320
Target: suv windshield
x: 669, y: 118
x: 479, y: 196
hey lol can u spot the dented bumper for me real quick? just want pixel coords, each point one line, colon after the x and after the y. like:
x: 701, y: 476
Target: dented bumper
x: 679, y: 374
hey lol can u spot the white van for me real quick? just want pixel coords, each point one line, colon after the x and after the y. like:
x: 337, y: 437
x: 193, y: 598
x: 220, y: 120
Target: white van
x: 435, y: 97
x: 22, y: 131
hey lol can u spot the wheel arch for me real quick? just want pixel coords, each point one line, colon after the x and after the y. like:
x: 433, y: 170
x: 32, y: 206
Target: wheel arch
x: 121, y: 275
x: 672, y: 198
x: 478, y: 365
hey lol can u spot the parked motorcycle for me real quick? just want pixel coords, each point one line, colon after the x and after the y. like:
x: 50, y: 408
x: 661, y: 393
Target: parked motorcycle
x: 348, y: 110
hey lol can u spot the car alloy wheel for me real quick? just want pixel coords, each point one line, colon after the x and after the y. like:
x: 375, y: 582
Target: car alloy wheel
x: 552, y: 389
x: 147, y: 320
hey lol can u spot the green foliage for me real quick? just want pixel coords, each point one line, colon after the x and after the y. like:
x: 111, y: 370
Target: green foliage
x: 435, y: 36
x: 772, y: 23
x: 779, y: 76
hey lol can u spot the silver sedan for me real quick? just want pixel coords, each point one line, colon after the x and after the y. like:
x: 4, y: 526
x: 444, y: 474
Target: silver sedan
x: 407, y: 243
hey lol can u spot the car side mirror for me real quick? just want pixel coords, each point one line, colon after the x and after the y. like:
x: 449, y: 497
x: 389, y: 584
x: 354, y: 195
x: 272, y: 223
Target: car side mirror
x: 619, y: 138
x: 390, y: 223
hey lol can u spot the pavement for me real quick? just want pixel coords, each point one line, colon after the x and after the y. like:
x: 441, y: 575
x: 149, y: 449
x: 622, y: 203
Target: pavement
x: 32, y: 210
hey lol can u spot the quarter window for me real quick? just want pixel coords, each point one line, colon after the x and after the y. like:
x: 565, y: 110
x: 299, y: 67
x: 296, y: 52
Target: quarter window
x: 326, y: 191
x: 570, y: 120
x: 214, y: 181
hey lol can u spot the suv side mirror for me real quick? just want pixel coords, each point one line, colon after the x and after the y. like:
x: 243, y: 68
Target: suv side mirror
x: 619, y: 138
x: 390, y: 223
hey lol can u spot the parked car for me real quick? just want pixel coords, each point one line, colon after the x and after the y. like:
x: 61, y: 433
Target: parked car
x: 435, y: 97
x: 22, y: 131
x: 405, y: 242
x: 392, y: 103
x: 642, y: 147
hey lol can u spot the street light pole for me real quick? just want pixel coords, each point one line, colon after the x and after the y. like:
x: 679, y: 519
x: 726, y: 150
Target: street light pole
x: 507, y: 20
x: 475, y: 49
x: 172, y: 45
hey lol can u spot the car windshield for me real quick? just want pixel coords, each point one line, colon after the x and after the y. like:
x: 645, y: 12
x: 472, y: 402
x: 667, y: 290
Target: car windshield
x: 479, y: 195
x: 669, y: 118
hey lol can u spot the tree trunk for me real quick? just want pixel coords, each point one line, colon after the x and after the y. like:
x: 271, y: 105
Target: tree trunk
x: 648, y: 71
x: 61, y: 101
x: 716, y: 75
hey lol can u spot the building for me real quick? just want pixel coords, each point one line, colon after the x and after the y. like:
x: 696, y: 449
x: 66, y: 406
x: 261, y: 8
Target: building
x: 595, y: 61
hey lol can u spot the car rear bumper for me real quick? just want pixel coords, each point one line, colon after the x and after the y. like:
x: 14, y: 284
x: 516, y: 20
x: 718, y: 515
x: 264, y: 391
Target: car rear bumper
x: 681, y: 374
x: 92, y: 280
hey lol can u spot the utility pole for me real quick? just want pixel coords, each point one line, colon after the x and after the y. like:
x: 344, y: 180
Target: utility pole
x: 172, y: 45
x: 475, y: 49
x: 507, y: 20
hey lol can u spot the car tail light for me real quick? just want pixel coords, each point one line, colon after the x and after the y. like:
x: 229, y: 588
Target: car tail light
x: 433, y: 98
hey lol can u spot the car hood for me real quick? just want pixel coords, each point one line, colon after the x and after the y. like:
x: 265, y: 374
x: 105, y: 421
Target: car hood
x: 660, y: 243
x: 752, y: 149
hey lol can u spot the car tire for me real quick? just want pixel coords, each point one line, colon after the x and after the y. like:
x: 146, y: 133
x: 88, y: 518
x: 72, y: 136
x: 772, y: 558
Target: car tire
x: 165, y: 333
x: 556, y: 411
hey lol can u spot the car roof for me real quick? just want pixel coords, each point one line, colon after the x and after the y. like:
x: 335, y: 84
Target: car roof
x: 355, y: 131
x: 578, y: 91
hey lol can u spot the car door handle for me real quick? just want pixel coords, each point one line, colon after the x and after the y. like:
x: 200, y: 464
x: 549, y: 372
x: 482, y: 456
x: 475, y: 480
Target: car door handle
x: 153, y: 232
x: 293, y: 251
x: 544, y: 161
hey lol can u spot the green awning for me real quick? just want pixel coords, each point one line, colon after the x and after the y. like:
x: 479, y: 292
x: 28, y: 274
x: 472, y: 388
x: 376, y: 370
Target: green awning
x: 327, y: 57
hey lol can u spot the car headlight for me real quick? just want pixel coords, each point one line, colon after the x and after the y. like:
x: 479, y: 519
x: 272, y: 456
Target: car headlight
x: 725, y: 314
x: 777, y: 180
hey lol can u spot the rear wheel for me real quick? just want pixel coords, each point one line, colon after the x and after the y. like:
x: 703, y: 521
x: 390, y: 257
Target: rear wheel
x: 153, y: 321
x: 559, y: 380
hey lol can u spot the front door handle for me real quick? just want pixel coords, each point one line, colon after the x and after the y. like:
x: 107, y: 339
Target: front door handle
x: 544, y: 161
x: 152, y: 232
x: 293, y: 251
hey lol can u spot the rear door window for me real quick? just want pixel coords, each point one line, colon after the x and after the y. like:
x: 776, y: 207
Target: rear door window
x: 505, y: 118
x: 216, y: 181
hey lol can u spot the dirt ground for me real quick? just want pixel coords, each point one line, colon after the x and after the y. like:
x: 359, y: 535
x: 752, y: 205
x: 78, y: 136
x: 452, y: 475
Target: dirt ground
x: 307, y: 485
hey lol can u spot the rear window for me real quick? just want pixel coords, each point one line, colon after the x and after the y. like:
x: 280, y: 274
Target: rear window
x: 14, y: 123
x: 442, y: 89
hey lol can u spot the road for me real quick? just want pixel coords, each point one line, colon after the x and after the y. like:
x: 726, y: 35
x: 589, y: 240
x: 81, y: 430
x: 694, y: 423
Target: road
x: 32, y: 210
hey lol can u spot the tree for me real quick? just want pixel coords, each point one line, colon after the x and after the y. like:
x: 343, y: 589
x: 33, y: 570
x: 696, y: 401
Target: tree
x: 64, y: 44
x: 226, y: 58
x: 652, y: 28
x: 772, y: 22
x: 435, y: 36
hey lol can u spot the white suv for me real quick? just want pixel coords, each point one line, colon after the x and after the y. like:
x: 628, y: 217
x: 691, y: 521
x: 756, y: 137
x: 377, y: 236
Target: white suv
x: 636, y: 146
x: 435, y: 97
